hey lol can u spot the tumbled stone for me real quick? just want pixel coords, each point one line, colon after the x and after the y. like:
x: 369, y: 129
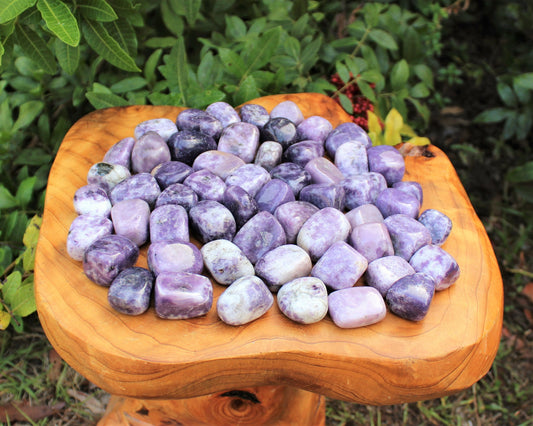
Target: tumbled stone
x: 254, y: 114
x: 241, y: 204
x: 314, y: 128
x: 83, y: 231
x: 383, y: 272
x: 283, y: 264
x: 303, y: 300
x: 93, y: 200
x: 323, y: 195
x: 182, y: 295
x: 393, y: 201
x: 224, y: 113
x: 107, y: 256
x: 120, y: 153
x: 169, y: 222
x: 199, y: 121
x: 388, y: 161
x: 244, y: 301
x: 304, y: 151
x: 187, y: 145
x: 179, y: 194
x: 438, y: 264
x: 289, y: 110
x: 130, y: 219
x: 171, y: 172
x: 292, y: 216
x: 249, y: 177
x: 212, y: 220
x: 107, y: 175
x: 340, y: 266
x: 219, y: 163
x: 225, y: 261
x: 407, y: 234
x: 343, y: 133
x: 268, y: 155
x: 141, y: 185
x: 438, y: 223
x: 365, y: 213
x: 356, y: 307
x: 321, y: 230
x: 410, y: 187
x: 280, y: 130
x: 410, y: 296
x: 259, y: 235
x: 164, y: 127
x: 207, y: 185
x: 297, y: 177
x: 372, y: 240
x: 323, y: 171
x: 130, y: 292
x: 240, y: 139
x: 273, y: 194
x: 351, y: 159
x: 149, y: 151
x: 362, y: 189
x: 174, y: 257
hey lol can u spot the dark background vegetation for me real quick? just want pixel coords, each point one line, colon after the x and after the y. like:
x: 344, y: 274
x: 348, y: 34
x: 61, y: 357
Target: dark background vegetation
x: 459, y: 72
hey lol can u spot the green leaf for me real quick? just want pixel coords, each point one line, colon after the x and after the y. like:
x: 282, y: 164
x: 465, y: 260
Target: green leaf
x: 35, y: 48
x: 107, y: 47
x: 5, y: 319
x: 25, y: 191
x: 60, y: 20
x: 424, y: 73
x: 419, y: 90
x: 524, y: 80
x: 171, y: 19
x: 492, y: 115
x: 524, y: 124
x: 128, y: 84
x: 31, y: 235
x: 7, y: 200
x: 11, y: 286
x: 192, y: 10
x: 23, y: 301
x: 309, y: 55
x: 151, y: 65
x: 28, y: 112
x: 343, y: 72
x: 203, y: 98
x: 160, y: 42
x: 32, y: 157
x: 122, y: 31
x: 10, y: 9
x: 524, y: 96
x: 262, y: 51
x: 232, y: 62
x: 367, y: 91
x: 246, y: 91
x: 97, y: 10
x: 520, y: 174
x: 105, y: 100
x: 67, y: 56
x: 507, y: 94
x: 235, y: 27
x: 399, y: 74
x: 208, y: 72
x: 383, y: 39
x: 412, y: 45
x: 373, y: 76
x: 346, y: 103
x: 176, y: 69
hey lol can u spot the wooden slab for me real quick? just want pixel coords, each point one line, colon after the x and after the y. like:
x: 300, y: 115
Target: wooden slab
x: 391, y: 362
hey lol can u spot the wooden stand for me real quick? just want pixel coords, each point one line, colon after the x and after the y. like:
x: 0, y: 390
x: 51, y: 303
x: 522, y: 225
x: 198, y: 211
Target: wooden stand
x: 156, y: 365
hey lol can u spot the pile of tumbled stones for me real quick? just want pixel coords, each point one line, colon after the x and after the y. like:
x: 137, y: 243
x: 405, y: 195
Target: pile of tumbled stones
x: 281, y: 205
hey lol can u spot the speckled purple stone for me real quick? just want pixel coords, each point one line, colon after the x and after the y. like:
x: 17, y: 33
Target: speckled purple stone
x: 83, y: 231
x: 207, y: 185
x: 212, y: 220
x: 407, y: 234
x: 244, y: 301
x: 362, y: 189
x: 254, y: 114
x: 171, y: 172
x: 372, y: 240
x: 93, y: 200
x: 219, y: 163
x: 182, y: 295
x: 174, y: 257
x: 249, y: 177
x: 437, y: 263
x: 149, y: 151
x: 169, y: 222
x: 351, y: 159
x: 130, y: 292
x: 410, y: 296
x: 356, y: 307
x: 107, y: 256
x: 289, y: 110
x: 273, y: 194
x: 200, y: 121
x: 224, y: 113
x: 241, y: 204
x: 164, y: 127
x: 340, y: 266
x: 187, y: 145
x: 292, y: 216
x: 314, y: 128
x: 107, y: 175
x: 131, y: 218
x: 393, y: 201
x: 388, y: 161
x: 366, y: 213
x: 304, y: 151
x: 225, y: 261
x: 297, y: 177
x: 382, y: 273
x: 280, y: 130
x: 410, y: 187
x: 303, y: 300
x: 269, y: 155
x: 323, y: 171
x: 346, y: 132
x: 179, y: 194
x: 240, y: 139
x: 120, y: 152
x: 323, y: 195
x: 438, y: 223
x: 259, y: 235
x: 141, y: 185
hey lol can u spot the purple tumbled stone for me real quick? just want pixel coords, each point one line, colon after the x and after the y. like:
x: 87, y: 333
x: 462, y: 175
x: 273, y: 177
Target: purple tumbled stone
x: 268, y: 155
x: 410, y: 296
x: 393, y: 201
x: 107, y: 175
x: 410, y: 187
x: 212, y: 220
x: 289, y: 110
x: 174, y: 257
x: 280, y: 130
x: 249, y: 177
x: 273, y: 194
x: 323, y: 195
x: 244, y: 301
x: 340, y: 266
x: 343, y: 133
x: 187, y: 145
x: 164, y: 127
x: 240, y: 204
x: 149, y: 151
x: 356, y: 307
x: 254, y: 114
x: 240, y: 139
x: 372, y: 240
x: 292, y: 216
x: 259, y: 235
x: 297, y: 177
x: 142, y: 185
x: 120, y: 152
x: 383, y: 272
x: 219, y: 163
x: 199, y: 121
x: 362, y: 189
x: 407, y: 234
x: 207, y: 185
x: 182, y: 295
x: 304, y: 151
x: 314, y: 128
x: 225, y: 261
x: 179, y: 194
x: 107, y: 256
x: 130, y: 219
x: 130, y: 292
x: 321, y: 230
x: 365, y: 213
x: 171, y: 172
x: 323, y: 171
x: 93, y: 200
x: 169, y: 222
x: 303, y: 300
x: 388, y: 161
x: 438, y: 264
x: 224, y: 113
x: 438, y: 223
x: 351, y: 159
x: 83, y: 231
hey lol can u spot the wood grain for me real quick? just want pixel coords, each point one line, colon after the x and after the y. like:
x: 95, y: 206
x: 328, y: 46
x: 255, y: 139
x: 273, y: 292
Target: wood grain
x: 391, y: 362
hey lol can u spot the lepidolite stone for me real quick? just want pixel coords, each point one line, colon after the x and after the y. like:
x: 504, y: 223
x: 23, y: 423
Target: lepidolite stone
x: 297, y: 177
x: 107, y: 175
x: 356, y: 307
x: 211, y: 220
x: 225, y: 261
x: 289, y: 110
x: 164, y: 127
x: 219, y: 163
x: 120, y: 153
x: 200, y: 121
x: 323, y: 171
x: 314, y: 128
x: 280, y: 130
x: 438, y: 223
x: 255, y: 114
x: 410, y: 187
x: 83, y: 231
x: 382, y: 273
x: 131, y: 290
x: 283, y: 264
x: 169, y: 222
x: 249, y: 177
x: 240, y: 139
x: 268, y: 155
x: 410, y: 296
x: 207, y: 185
x: 340, y: 266
x: 365, y: 213
x: 107, y: 256
x: 407, y: 234
x: 174, y: 257
x: 170, y: 172
x: 393, y: 201
x: 130, y: 219
x: 259, y: 235
x: 343, y: 133
x: 93, y: 200
x: 388, y: 161
x: 351, y: 159
x: 149, y: 151
x: 362, y: 189
x: 240, y: 204
x: 273, y: 194
x: 182, y: 295
x: 142, y: 185
x: 292, y: 216
x: 244, y: 301
x: 321, y: 230
x: 304, y: 151
x: 178, y: 194
x: 186, y: 145
x: 323, y: 195
x: 372, y: 240
x: 438, y: 264
x: 303, y: 300
x: 224, y: 113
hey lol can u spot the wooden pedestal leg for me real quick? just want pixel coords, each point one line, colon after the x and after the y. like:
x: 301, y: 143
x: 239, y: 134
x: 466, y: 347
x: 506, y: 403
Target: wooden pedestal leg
x: 265, y: 405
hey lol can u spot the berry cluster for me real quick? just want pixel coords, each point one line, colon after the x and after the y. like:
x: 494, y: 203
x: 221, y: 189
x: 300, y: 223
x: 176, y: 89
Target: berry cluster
x: 360, y: 103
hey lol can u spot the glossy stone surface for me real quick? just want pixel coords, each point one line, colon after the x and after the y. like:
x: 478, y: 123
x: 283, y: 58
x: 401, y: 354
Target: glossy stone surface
x: 340, y: 266
x: 292, y: 216
x: 107, y: 175
x: 362, y: 189
x: 241, y: 204
x: 169, y: 222
x: 351, y: 159
x: 273, y: 194
x: 182, y: 295
x: 438, y: 223
x: 280, y: 130
x: 130, y: 219
x: 211, y: 220
x: 219, y: 163
x: 382, y: 273
x: 343, y: 133
x: 93, y: 200
x: 438, y: 264
x: 314, y: 128
x: 323, y: 195
x: 365, y: 213
x: 179, y: 194
x: 289, y: 110
x: 249, y: 177
x: 141, y: 185
x: 207, y: 185
x: 393, y: 201
x: 164, y: 127
x: 107, y: 256
x: 170, y: 172
x: 407, y: 234
x: 120, y: 153
x: 254, y: 114
x: 130, y: 292
x: 297, y: 177
x: 411, y: 296
x: 410, y: 187
x: 303, y: 300
x: 388, y: 161
x: 200, y: 121
x: 174, y: 257
x: 149, y: 151
x: 372, y: 240
x: 225, y: 261
x: 240, y: 139
x: 186, y: 145
x: 83, y: 231
x: 356, y: 307
x: 304, y: 151
x: 244, y: 301
x: 224, y: 113
x: 323, y: 171
x: 268, y: 155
